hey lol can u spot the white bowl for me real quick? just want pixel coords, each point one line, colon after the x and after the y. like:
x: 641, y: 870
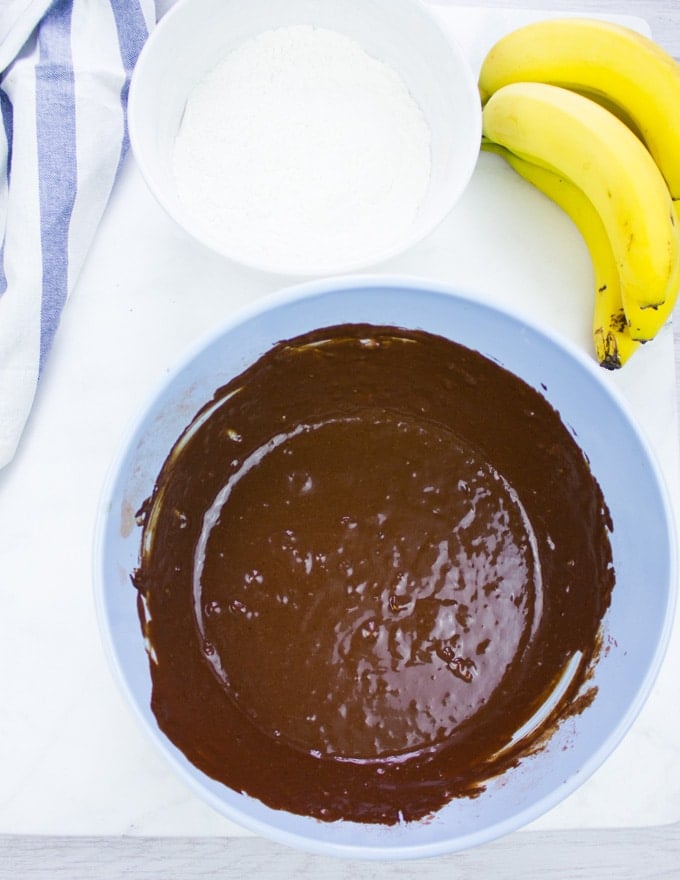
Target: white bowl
x: 196, y: 34
x: 637, y: 623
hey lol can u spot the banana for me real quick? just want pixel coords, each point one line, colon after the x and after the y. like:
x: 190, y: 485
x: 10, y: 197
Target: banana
x: 624, y: 70
x: 646, y: 324
x: 612, y: 340
x: 573, y: 136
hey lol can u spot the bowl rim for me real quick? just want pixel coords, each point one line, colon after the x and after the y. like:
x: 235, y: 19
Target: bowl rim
x: 467, y: 160
x: 308, y: 290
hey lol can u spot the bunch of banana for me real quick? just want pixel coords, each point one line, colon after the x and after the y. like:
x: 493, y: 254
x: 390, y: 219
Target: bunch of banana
x: 589, y: 112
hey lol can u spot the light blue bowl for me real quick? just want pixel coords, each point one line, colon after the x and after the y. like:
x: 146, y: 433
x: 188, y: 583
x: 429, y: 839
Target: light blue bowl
x: 636, y: 627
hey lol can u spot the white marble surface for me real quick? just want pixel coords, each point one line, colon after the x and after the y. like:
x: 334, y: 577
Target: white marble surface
x: 78, y: 776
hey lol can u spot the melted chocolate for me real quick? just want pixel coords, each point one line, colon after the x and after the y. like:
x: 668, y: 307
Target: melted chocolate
x: 365, y: 565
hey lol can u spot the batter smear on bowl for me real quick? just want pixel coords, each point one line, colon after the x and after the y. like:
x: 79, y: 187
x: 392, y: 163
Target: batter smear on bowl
x: 365, y: 567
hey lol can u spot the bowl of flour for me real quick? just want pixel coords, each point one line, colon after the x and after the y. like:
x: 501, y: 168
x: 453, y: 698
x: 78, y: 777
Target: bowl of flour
x: 301, y: 138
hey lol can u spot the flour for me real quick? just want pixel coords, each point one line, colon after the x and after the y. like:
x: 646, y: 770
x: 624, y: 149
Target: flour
x: 300, y: 150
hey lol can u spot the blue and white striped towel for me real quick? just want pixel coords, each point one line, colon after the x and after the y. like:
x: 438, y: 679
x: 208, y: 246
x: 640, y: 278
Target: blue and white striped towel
x: 65, y: 68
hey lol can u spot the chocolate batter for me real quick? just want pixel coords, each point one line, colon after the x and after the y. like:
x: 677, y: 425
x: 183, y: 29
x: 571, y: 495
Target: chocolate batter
x: 365, y: 565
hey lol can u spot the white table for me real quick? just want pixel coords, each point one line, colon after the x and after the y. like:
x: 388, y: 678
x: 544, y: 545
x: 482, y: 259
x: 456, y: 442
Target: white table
x: 638, y: 852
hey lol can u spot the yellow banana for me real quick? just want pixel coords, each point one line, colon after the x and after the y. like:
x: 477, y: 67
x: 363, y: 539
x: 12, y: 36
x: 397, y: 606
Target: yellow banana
x: 628, y: 72
x: 646, y: 324
x: 612, y: 340
x: 573, y: 136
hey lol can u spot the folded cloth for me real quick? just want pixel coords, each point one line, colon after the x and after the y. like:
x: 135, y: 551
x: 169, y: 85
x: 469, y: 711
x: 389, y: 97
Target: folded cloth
x: 65, y: 68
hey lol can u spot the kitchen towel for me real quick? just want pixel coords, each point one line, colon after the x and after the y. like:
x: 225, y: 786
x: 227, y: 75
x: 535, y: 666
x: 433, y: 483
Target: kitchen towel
x: 65, y: 68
